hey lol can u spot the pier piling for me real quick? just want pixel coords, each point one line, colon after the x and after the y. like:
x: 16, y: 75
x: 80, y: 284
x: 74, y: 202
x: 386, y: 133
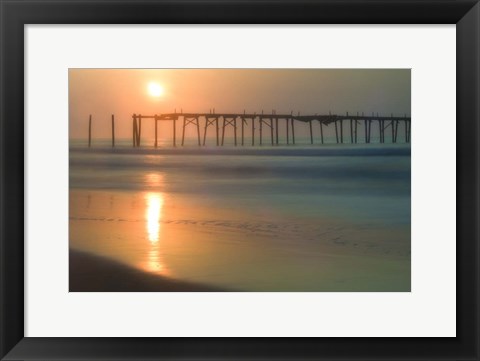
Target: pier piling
x: 321, y: 131
x: 393, y: 128
x: 198, y: 130
x: 409, y: 131
x: 276, y: 131
x: 243, y: 130
x: 336, y: 131
x: 351, y: 131
x: 223, y: 131
x: 90, y: 131
x: 288, y: 135
x: 370, y: 121
x: 113, y: 131
x: 406, y: 132
x: 235, y: 130
x: 341, y: 130
x: 293, y: 132
x: 253, y: 131
x: 183, y: 131
x: 356, y: 128
x: 311, y: 132
x: 271, y: 129
x: 261, y: 129
x: 205, y: 130
x: 365, y: 121
x: 210, y: 120
x: 396, y: 131
x: 191, y: 119
x: 175, y: 132
x: 139, y: 130
x: 380, y: 130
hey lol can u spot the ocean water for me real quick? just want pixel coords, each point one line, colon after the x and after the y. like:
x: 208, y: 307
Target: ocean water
x: 284, y: 218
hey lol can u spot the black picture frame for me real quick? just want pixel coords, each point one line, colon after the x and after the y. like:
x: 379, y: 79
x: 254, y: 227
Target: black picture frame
x: 15, y: 14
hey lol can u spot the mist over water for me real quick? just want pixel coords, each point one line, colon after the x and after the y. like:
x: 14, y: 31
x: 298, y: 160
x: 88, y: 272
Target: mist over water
x: 287, y: 203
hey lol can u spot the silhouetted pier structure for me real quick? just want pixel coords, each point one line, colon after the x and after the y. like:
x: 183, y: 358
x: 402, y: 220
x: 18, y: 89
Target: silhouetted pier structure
x: 268, y: 126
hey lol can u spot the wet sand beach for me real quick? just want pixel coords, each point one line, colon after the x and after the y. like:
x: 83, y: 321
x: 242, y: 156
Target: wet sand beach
x: 90, y: 273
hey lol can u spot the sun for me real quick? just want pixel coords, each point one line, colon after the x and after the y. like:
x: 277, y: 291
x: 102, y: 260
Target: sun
x: 155, y: 89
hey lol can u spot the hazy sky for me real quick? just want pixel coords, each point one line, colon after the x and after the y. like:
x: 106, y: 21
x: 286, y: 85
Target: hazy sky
x: 102, y: 92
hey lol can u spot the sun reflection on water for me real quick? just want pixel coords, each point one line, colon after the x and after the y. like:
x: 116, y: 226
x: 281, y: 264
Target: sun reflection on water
x: 154, y: 180
x: 153, y: 215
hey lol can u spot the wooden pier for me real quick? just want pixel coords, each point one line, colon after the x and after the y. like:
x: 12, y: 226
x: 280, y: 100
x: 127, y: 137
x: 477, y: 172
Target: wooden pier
x: 268, y: 125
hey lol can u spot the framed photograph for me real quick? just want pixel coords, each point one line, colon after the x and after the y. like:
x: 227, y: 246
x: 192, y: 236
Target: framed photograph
x: 239, y: 180
x: 242, y: 201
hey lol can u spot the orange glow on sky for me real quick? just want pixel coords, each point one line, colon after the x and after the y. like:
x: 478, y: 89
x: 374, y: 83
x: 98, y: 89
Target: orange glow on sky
x: 102, y: 92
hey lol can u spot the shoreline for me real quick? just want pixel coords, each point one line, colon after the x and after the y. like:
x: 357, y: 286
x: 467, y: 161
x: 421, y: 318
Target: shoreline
x: 92, y: 273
